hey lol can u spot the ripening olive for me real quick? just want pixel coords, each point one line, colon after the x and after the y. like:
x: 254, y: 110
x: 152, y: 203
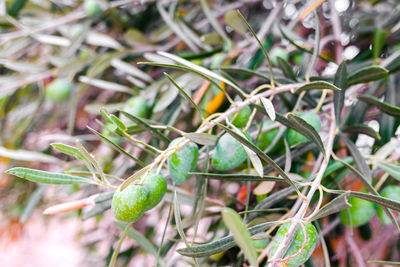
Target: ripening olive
x: 391, y: 192
x: 92, y: 7
x: 59, y: 90
x: 183, y: 161
x: 136, y: 106
x: 130, y: 204
x: 278, y: 52
x: 294, y: 137
x: 297, y: 244
x: 241, y: 117
x: 156, y: 186
x: 361, y: 211
x: 229, y: 153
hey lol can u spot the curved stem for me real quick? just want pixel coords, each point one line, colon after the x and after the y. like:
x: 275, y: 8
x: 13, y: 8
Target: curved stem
x: 117, y: 248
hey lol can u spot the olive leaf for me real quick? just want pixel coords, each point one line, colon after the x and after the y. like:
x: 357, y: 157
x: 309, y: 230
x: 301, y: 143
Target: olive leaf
x: 320, y: 85
x: 145, y: 125
x: 221, y: 244
x: 306, y: 129
x: 33, y: 200
x: 240, y: 233
x: 286, y: 68
x: 391, y: 169
x: 383, y: 106
x: 269, y: 108
x: 340, y: 80
x: 358, y: 158
x: 47, y: 177
x: 362, y: 129
x: 236, y: 177
x: 336, y: 205
x: 116, y: 146
x: 383, y: 201
x: 202, y: 138
x: 68, y: 150
x: 367, y: 74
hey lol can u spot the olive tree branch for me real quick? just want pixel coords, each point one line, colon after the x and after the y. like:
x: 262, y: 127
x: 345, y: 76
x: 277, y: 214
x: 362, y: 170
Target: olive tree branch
x: 285, y: 244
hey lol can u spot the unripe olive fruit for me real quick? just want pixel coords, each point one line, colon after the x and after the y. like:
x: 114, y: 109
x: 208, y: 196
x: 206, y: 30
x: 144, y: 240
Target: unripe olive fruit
x: 92, y: 7
x: 229, y: 153
x: 297, y: 243
x: 260, y: 243
x: 392, y: 192
x: 156, y: 186
x: 266, y: 138
x: 294, y: 137
x: 130, y: 204
x: 59, y: 90
x: 241, y: 117
x: 361, y: 211
x: 136, y: 106
x: 278, y: 52
x: 183, y: 161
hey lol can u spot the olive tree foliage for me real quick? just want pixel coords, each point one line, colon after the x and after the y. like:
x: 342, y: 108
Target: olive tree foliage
x: 292, y: 106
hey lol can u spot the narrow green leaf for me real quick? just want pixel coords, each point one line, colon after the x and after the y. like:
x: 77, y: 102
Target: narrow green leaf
x: 306, y: 129
x: 240, y: 233
x: 269, y: 108
x: 237, y: 177
x: 362, y: 129
x: 336, y: 165
x: 141, y: 122
x: 359, y: 160
x: 393, y: 65
x: 334, y: 206
x: 222, y: 244
x: 47, y: 177
x: 383, y: 201
x: 202, y: 138
x: 340, y: 80
x: 391, y: 263
x: 183, y: 92
x: 378, y: 42
x: 200, y: 69
x: 140, y: 239
x: 383, y: 106
x: 117, y: 122
x: 367, y: 74
x: 178, y: 220
x: 320, y: 85
x: 68, y: 150
x: 391, y: 169
x: 270, y: 200
x: 32, y: 202
x: 262, y: 155
x: 116, y: 146
x: 244, y: 71
x: 286, y: 68
x: 260, y: 44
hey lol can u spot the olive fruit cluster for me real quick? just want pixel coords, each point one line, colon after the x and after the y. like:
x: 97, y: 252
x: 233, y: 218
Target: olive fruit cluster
x: 130, y: 204
x: 59, y: 90
x: 297, y: 244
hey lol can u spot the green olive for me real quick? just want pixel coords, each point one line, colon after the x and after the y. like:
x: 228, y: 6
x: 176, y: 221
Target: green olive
x: 392, y: 192
x: 183, y: 161
x: 260, y: 244
x: 130, y: 204
x: 297, y: 243
x: 136, y: 106
x: 294, y: 137
x: 229, y: 153
x: 92, y: 7
x: 59, y: 90
x: 361, y: 211
x: 156, y: 186
x: 278, y: 52
x: 241, y: 117
x: 265, y: 139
